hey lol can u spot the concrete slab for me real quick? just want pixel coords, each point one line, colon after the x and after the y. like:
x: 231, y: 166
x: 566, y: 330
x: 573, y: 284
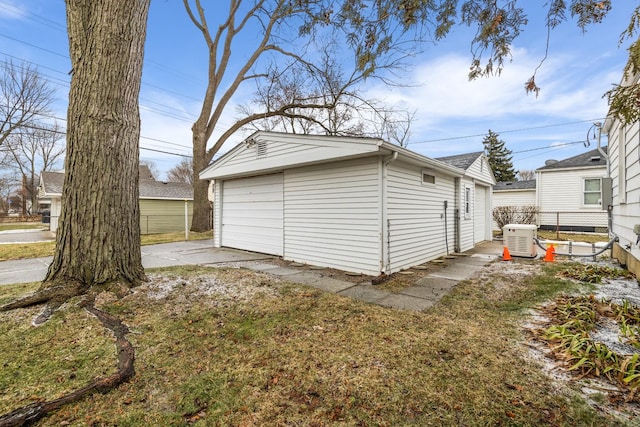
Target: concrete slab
x: 24, y: 270
x: 366, y: 293
x: 476, y: 260
x: 328, y: 284
x: 277, y: 270
x: 405, y: 302
x: 434, y: 289
x: 9, y: 237
x: 457, y: 271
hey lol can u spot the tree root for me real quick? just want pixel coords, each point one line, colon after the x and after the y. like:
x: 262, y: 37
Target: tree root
x: 54, y: 296
x: 126, y: 355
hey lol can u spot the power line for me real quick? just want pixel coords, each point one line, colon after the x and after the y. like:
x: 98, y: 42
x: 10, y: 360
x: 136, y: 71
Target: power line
x: 508, y: 131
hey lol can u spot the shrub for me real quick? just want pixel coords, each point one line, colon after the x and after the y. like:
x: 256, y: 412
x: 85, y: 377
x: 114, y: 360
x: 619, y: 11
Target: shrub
x: 504, y: 215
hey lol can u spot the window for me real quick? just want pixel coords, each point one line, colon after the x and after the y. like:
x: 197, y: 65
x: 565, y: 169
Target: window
x: 592, y: 195
x: 467, y: 202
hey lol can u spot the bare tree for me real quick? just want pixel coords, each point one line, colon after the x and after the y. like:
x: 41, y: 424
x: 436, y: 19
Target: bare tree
x: 526, y: 175
x: 182, y: 172
x: 34, y: 149
x: 24, y: 97
x: 322, y: 99
x: 378, y: 34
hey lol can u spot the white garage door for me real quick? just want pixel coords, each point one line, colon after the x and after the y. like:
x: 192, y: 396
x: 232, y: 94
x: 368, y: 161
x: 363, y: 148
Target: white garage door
x: 480, y: 214
x: 252, y: 214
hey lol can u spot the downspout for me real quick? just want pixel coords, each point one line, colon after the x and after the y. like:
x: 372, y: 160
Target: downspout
x: 600, y: 150
x: 598, y: 125
x: 385, y: 238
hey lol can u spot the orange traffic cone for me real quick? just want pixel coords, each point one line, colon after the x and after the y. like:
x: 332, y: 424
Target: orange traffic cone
x: 506, y: 256
x: 550, y: 255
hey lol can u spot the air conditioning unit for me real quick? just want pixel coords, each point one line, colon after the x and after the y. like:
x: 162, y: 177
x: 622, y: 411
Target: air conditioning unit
x: 518, y: 238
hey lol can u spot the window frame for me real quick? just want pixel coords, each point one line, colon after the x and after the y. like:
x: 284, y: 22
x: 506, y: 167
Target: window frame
x: 586, y: 192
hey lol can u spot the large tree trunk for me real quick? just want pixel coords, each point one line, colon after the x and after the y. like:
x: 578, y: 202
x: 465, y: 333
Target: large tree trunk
x: 98, y: 238
x: 201, y: 220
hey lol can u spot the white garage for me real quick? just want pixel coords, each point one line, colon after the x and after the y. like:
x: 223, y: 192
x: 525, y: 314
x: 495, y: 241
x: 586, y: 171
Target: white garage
x: 481, y: 214
x: 252, y: 214
x: 354, y: 204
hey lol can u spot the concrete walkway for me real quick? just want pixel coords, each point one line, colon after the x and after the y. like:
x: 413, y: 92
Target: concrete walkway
x: 422, y: 295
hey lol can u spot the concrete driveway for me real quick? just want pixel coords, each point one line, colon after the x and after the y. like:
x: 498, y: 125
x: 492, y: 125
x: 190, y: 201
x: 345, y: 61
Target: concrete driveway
x: 197, y: 252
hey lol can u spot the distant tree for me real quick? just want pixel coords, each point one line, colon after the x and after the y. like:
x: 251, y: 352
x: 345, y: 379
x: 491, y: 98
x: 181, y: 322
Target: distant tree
x: 24, y: 97
x: 31, y: 151
x: 182, y: 172
x: 499, y: 157
x: 526, y: 175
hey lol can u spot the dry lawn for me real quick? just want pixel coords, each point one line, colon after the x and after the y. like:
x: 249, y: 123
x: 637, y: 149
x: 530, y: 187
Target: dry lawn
x: 230, y: 347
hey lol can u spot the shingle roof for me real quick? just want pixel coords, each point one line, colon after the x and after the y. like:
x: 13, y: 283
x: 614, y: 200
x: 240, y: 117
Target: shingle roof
x: 590, y: 158
x: 165, y: 190
x: 149, y: 189
x: 52, y: 182
x: 462, y: 161
x: 515, y: 185
x: 145, y: 173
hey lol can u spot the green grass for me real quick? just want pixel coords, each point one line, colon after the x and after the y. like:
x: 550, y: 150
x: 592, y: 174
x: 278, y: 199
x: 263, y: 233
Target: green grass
x: 23, y: 226
x: 576, y: 237
x: 228, y: 347
x: 43, y: 249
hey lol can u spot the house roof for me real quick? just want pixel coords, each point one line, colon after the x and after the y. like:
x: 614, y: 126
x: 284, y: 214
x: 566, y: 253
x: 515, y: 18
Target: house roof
x: 296, y: 150
x: 165, y: 190
x: 462, y: 161
x: 51, y: 185
x: 591, y: 158
x: 145, y: 173
x: 515, y: 185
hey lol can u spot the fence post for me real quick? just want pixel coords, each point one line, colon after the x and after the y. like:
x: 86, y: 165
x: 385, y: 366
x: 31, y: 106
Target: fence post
x: 186, y: 219
x: 557, y: 225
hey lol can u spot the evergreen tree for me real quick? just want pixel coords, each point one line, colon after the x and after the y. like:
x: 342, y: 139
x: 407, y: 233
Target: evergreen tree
x: 499, y: 157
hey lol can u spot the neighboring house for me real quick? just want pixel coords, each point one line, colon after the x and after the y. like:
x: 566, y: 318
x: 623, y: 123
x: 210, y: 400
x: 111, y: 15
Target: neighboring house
x: 624, y: 161
x: 476, y: 193
x: 513, y: 193
x: 569, y: 193
x: 355, y: 204
x: 162, y: 204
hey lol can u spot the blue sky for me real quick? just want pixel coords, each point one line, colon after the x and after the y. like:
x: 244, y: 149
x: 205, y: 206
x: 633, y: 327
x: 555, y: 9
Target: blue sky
x: 452, y: 114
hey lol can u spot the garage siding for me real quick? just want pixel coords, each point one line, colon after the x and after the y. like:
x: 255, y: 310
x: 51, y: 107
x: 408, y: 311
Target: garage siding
x: 415, y: 213
x: 252, y: 214
x: 466, y: 219
x: 163, y: 216
x: 332, y: 215
x: 480, y: 214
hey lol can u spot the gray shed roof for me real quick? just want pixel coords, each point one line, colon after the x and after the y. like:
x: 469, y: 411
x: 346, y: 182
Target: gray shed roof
x: 462, y: 161
x: 591, y: 158
x: 51, y: 183
x: 165, y: 190
x: 515, y: 185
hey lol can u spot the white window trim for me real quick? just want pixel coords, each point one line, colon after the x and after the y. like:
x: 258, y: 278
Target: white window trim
x: 584, y: 192
x: 430, y: 173
x: 467, y: 202
x: 622, y: 165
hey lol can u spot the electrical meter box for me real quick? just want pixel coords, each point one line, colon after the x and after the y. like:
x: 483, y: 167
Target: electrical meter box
x: 518, y: 238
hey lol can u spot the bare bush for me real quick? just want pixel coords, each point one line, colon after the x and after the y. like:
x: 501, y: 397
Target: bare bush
x: 504, y: 215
